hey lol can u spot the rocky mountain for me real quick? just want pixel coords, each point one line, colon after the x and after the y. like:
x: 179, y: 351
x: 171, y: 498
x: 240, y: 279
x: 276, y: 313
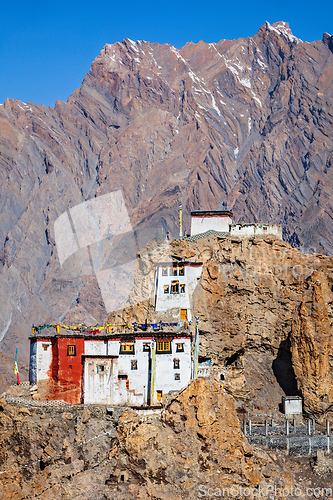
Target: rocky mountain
x: 246, y: 123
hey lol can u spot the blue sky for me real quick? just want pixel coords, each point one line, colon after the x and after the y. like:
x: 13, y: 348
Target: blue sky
x: 47, y: 47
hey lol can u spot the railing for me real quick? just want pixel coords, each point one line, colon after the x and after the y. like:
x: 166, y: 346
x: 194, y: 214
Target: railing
x: 292, y: 437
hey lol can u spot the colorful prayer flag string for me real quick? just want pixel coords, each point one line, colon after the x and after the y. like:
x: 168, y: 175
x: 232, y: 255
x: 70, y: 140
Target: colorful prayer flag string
x: 98, y: 329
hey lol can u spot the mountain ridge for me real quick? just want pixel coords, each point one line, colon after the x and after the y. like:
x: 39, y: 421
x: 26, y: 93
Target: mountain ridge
x: 244, y: 122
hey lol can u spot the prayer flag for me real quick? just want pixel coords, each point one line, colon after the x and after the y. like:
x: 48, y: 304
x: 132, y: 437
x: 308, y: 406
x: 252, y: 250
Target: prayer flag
x: 16, y: 371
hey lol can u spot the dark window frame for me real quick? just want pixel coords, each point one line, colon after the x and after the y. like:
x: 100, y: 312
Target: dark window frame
x: 180, y: 347
x: 134, y: 364
x: 69, y: 348
x: 163, y: 351
x: 121, y: 351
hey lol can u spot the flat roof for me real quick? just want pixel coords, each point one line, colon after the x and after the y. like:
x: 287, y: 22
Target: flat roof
x: 132, y: 336
x: 202, y: 213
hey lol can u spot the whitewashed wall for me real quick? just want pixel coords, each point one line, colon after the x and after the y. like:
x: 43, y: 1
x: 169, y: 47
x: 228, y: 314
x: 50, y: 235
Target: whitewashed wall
x: 165, y: 371
x: 292, y: 406
x: 247, y: 230
x: 113, y: 347
x: 166, y: 301
x: 100, y: 387
x: 202, y: 224
x: 107, y: 388
x: 138, y: 379
x: 96, y: 347
x: 44, y: 359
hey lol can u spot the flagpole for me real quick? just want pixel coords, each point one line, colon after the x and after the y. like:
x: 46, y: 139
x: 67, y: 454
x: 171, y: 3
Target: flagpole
x: 180, y: 221
x: 196, y: 350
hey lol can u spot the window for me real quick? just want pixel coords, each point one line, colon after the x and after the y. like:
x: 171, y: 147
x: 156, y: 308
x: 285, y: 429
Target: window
x: 183, y: 314
x: 176, y: 364
x: 71, y: 350
x: 164, y: 271
x: 45, y: 346
x: 177, y: 376
x: 181, y: 271
x: 122, y: 377
x: 166, y: 288
x: 126, y: 348
x: 180, y: 347
x: 146, y: 347
x: 100, y: 368
x: 163, y: 346
x: 174, y: 271
x: 175, y: 287
x: 134, y: 364
x: 182, y: 288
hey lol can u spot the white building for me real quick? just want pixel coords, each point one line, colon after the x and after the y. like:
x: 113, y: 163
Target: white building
x: 174, y: 285
x: 137, y: 372
x: 204, y: 220
x: 248, y: 230
x: 292, y: 405
x: 117, y: 369
x: 221, y: 221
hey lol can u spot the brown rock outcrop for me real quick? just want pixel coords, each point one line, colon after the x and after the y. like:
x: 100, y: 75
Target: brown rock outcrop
x: 196, y: 445
x: 265, y: 318
x: 311, y: 348
x: 197, y: 441
x: 48, y: 453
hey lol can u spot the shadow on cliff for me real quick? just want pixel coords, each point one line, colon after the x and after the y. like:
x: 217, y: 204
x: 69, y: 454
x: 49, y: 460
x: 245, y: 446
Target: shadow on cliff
x: 284, y: 371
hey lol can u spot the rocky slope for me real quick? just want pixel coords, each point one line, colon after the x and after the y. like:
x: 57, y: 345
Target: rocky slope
x: 195, y: 443
x: 265, y: 318
x: 245, y: 122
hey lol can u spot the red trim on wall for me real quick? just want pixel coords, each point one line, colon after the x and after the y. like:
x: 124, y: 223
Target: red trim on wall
x: 66, y: 371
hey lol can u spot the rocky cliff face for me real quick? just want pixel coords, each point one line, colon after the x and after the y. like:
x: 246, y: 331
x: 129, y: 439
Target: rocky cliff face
x: 195, y: 444
x: 245, y: 122
x: 265, y: 318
